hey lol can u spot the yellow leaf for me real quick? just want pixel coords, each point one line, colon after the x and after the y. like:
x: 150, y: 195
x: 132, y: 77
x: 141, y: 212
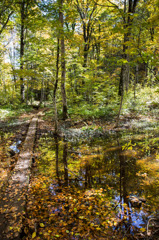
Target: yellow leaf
x: 98, y: 228
x: 34, y: 235
x: 42, y: 225
x: 142, y: 229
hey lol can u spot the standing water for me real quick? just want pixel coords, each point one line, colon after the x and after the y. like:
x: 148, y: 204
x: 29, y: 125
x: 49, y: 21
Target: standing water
x: 101, y: 187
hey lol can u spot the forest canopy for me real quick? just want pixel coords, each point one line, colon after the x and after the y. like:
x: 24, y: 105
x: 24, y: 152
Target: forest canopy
x: 85, y: 53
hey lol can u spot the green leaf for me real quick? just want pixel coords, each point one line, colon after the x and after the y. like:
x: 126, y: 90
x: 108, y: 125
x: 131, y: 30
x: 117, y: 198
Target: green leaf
x: 75, y: 209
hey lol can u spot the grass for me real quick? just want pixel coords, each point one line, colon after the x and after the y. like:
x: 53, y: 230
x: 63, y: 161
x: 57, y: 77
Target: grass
x: 145, y: 102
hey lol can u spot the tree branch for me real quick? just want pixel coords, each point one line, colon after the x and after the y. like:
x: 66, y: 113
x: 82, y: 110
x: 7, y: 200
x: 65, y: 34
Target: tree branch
x: 5, y: 24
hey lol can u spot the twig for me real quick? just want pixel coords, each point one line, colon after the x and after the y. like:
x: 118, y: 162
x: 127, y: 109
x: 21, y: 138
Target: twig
x: 147, y: 227
x: 74, y: 174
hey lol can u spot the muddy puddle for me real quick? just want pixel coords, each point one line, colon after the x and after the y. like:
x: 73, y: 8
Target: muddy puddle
x: 106, y: 183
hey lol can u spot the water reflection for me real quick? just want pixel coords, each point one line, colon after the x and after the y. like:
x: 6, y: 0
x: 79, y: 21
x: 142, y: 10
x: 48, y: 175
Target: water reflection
x: 57, y: 158
x: 15, y: 146
x: 114, y: 165
x: 65, y: 153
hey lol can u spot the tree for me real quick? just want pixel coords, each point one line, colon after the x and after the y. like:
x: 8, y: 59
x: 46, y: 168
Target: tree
x: 6, y: 11
x: 128, y: 12
x: 22, y: 16
x: 63, y: 64
x: 87, y: 12
x: 55, y: 86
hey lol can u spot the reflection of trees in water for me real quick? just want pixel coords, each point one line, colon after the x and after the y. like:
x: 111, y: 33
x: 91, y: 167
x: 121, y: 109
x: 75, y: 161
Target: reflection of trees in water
x: 88, y: 174
x: 128, y: 184
x: 57, y: 159
x: 65, y: 152
x: 64, y: 160
x: 123, y: 178
x: 118, y: 170
x: 125, y: 211
x: 112, y: 168
x: 57, y: 156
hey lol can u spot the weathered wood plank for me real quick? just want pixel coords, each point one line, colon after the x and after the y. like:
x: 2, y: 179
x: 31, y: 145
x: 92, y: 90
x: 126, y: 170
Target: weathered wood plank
x: 12, y: 209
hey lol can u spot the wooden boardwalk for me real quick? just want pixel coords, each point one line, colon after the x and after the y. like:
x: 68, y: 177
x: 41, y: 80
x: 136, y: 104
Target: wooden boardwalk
x: 13, y: 202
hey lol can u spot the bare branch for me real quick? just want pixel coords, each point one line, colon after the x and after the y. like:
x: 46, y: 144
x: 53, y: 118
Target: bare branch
x: 5, y: 24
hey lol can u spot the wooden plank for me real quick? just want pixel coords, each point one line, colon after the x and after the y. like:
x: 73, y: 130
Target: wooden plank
x: 12, y: 208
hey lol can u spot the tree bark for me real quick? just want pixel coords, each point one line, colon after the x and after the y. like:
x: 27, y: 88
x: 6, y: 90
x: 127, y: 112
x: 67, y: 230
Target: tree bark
x: 22, y: 50
x: 55, y: 86
x: 125, y: 68
x: 136, y: 79
x: 6, y: 22
x: 127, y: 21
x: 63, y: 63
x: 98, y: 45
x: 86, y: 49
x: 86, y: 13
x: 42, y: 97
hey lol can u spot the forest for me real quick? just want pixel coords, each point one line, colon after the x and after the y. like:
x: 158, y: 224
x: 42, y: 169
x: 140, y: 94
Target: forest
x: 79, y: 119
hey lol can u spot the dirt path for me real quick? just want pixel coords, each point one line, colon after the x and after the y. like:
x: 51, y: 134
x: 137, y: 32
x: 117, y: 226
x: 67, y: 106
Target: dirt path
x: 12, y: 205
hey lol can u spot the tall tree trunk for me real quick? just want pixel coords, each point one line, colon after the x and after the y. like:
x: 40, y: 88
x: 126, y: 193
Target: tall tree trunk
x: 63, y: 64
x: 136, y: 79
x: 98, y: 45
x: 4, y: 83
x: 22, y: 49
x: 124, y: 75
x: 42, y: 92
x: 121, y: 104
x: 55, y: 87
x: 86, y: 49
x: 27, y: 93
x: 129, y: 10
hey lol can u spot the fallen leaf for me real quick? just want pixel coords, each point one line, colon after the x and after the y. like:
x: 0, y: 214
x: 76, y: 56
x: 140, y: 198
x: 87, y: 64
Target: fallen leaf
x: 34, y: 235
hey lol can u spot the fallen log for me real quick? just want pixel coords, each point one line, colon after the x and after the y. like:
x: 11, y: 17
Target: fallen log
x: 12, y: 205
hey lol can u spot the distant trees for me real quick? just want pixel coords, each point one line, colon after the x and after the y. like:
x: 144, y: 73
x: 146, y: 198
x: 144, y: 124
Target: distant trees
x: 25, y: 12
x: 76, y: 52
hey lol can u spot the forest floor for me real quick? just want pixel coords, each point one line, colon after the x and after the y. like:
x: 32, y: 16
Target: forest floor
x: 13, y: 133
